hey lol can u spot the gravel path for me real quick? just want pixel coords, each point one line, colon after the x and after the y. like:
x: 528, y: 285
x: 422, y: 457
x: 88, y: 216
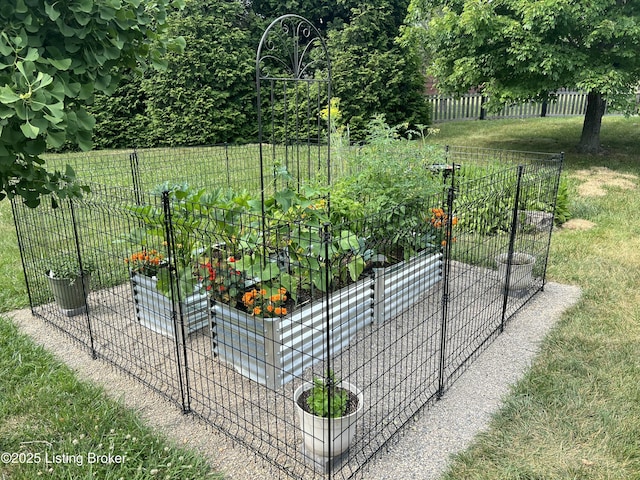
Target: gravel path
x: 422, y: 451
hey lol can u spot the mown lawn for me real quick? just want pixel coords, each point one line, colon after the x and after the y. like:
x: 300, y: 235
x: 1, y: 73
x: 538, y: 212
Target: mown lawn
x: 574, y: 415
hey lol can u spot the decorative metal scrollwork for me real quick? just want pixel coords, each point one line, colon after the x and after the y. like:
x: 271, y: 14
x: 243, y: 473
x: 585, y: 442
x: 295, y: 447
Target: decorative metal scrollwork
x: 292, y: 48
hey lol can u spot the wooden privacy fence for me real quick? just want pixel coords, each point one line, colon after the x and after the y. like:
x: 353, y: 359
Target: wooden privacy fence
x: 471, y: 107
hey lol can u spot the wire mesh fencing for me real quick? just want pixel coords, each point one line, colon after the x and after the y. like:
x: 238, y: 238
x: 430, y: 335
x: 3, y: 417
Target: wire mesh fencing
x: 231, y: 308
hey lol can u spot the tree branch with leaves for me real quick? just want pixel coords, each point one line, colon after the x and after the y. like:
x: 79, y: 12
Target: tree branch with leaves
x: 53, y: 57
x: 522, y: 50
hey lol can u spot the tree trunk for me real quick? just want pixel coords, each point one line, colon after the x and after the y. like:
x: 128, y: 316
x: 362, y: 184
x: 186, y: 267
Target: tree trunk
x: 590, y: 139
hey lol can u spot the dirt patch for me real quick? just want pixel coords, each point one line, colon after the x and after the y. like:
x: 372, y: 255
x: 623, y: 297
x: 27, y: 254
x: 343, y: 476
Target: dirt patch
x: 578, y: 224
x: 595, y: 179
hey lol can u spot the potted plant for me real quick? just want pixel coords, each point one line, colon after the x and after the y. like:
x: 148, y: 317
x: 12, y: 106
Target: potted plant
x: 521, y: 275
x: 327, y: 411
x: 69, y: 282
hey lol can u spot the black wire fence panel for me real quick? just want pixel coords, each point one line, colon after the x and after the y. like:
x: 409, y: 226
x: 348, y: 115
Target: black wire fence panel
x: 227, y: 308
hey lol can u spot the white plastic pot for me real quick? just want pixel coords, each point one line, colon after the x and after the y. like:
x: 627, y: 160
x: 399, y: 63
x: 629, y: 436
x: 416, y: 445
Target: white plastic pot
x: 327, y: 437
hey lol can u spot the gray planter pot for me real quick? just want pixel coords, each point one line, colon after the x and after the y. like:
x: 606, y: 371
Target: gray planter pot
x: 538, y: 220
x: 521, y: 276
x: 155, y: 311
x: 71, y: 296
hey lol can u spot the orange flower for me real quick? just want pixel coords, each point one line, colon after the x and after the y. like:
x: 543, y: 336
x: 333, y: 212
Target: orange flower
x: 249, y: 298
x: 280, y: 311
x: 257, y: 311
x: 282, y: 290
x: 276, y: 298
x: 263, y: 292
x: 270, y: 308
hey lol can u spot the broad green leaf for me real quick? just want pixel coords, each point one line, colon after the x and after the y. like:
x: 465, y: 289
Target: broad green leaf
x: 43, y: 80
x: 85, y: 5
x: 32, y: 55
x: 290, y: 283
x: 61, y: 64
x: 51, y: 11
x: 348, y: 241
x: 29, y: 130
x: 21, y: 7
x: 56, y: 110
x: 85, y: 142
x: 356, y: 267
x: 7, y: 95
x: 85, y: 121
x: 56, y: 138
x: 269, y: 271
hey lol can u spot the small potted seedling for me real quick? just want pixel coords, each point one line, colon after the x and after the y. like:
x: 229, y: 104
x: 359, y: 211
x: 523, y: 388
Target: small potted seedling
x: 327, y: 411
x: 69, y: 283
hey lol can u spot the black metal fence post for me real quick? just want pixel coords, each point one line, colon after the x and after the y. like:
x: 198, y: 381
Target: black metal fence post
x: 512, y: 240
x: 446, y: 266
x: 85, y: 292
x: 135, y: 176
x: 176, y: 313
x: 326, y: 238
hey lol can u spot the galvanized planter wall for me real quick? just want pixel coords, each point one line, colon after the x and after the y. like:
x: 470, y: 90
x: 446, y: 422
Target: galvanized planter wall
x: 272, y: 351
x: 399, y: 286
x: 155, y: 311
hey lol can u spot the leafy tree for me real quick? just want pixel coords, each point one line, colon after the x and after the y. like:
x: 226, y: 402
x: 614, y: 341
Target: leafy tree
x: 321, y: 13
x: 121, y: 117
x: 53, y: 57
x: 518, y: 50
x: 207, y: 93
x: 373, y: 73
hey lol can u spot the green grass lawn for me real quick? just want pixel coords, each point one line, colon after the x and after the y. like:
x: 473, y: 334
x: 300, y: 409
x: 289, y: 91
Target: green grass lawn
x: 574, y: 415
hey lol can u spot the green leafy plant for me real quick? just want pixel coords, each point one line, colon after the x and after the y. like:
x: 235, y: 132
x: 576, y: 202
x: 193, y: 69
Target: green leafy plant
x: 53, y: 57
x: 327, y: 399
x: 66, y: 265
x: 299, y: 247
x: 187, y: 213
x: 563, y: 202
x: 391, y: 178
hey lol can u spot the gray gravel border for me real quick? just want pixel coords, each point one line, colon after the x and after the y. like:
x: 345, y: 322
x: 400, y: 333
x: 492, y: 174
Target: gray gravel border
x: 422, y: 451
